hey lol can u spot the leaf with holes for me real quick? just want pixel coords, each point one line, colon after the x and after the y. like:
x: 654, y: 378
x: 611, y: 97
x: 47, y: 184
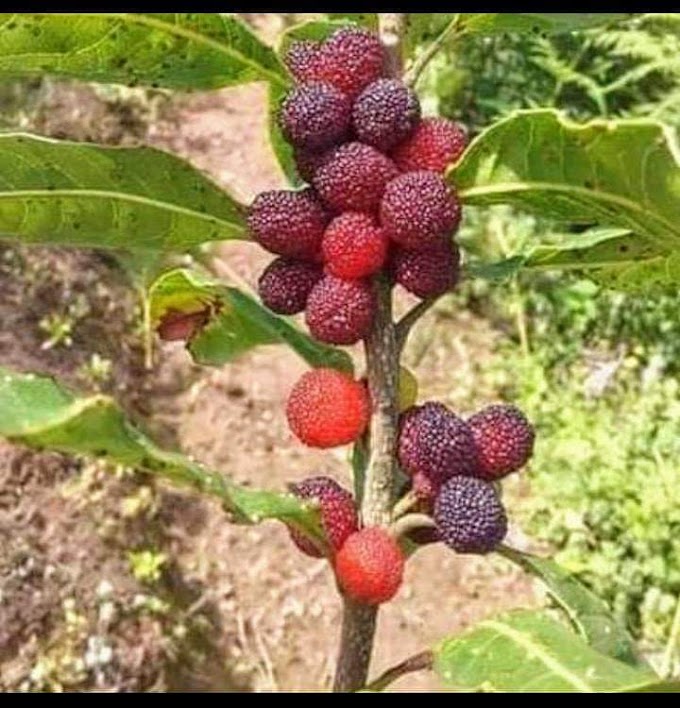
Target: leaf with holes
x: 588, y: 613
x: 74, y: 194
x: 529, y: 652
x: 37, y: 412
x: 623, y: 174
x: 167, y: 50
x: 237, y: 324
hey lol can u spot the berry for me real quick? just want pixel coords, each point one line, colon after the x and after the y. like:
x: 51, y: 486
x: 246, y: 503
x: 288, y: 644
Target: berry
x: 315, y: 116
x: 408, y: 389
x: 429, y: 272
x: 301, y: 58
x: 327, y: 408
x: 353, y: 246
x: 370, y: 566
x: 435, y: 443
x: 182, y: 326
x: 418, y: 209
x: 288, y: 223
x: 340, y: 311
x: 425, y: 489
x: 354, y: 177
x: 504, y: 440
x: 433, y: 145
x: 469, y: 515
x: 337, y: 509
x: 385, y: 113
x: 308, y: 162
x: 350, y: 59
x: 285, y: 284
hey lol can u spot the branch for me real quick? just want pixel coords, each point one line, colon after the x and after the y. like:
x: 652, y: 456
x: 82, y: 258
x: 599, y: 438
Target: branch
x: 409, y: 522
x: 417, y: 662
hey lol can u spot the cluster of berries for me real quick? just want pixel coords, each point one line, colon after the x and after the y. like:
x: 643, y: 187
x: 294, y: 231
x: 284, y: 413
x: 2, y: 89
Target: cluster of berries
x: 377, y: 201
x: 452, y: 464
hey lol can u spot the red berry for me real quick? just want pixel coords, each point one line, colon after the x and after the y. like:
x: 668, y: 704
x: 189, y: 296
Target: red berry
x: 288, y: 223
x: 370, y: 566
x: 327, y: 408
x: 285, y: 284
x: 350, y: 59
x: 433, y: 145
x: 182, y: 326
x: 315, y: 116
x: 385, y: 113
x: 353, y: 246
x: 354, y: 177
x: 435, y: 443
x: 418, y: 209
x: 504, y: 439
x: 427, y: 273
x: 337, y: 509
x: 300, y: 59
x: 340, y: 311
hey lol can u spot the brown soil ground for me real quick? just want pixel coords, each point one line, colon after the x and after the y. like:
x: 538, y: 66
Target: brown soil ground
x: 233, y: 608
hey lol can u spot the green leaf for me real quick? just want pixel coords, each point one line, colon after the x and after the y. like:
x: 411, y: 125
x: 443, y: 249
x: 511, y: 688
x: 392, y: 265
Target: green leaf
x: 363, y: 19
x: 622, y: 174
x: 314, y: 30
x: 657, y: 687
x: 588, y: 613
x: 238, y: 324
x: 498, y: 271
x: 74, y: 194
x: 281, y: 148
x: 538, y: 22
x: 167, y: 50
x: 37, y: 412
x: 527, y: 651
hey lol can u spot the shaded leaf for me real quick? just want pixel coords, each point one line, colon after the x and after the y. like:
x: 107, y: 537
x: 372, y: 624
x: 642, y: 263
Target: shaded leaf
x: 167, y: 50
x: 588, y: 613
x: 528, y: 652
x: 239, y: 322
x: 75, y: 194
x: 37, y: 412
x: 281, y: 148
x: 498, y: 271
x: 537, y: 22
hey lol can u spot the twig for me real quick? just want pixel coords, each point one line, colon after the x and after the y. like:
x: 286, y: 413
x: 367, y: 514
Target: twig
x: 406, y: 323
x: 417, y: 662
x: 404, y: 505
x: 409, y: 522
x: 424, y: 59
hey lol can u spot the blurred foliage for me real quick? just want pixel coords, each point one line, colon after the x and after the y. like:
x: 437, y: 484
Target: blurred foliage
x: 597, y: 370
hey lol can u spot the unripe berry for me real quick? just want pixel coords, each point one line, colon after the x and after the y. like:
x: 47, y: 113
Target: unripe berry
x: 504, y: 439
x: 385, y: 113
x: 353, y: 246
x: 427, y: 273
x: 327, y: 408
x: 340, y: 311
x: 315, y: 116
x: 418, y: 209
x: 435, y: 443
x: 469, y: 515
x: 337, y: 510
x: 433, y: 145
x: 370, y: 566
x: 285, y: 284
x: 353, y: 178
x: 182, y: 326
x: 288, y: 223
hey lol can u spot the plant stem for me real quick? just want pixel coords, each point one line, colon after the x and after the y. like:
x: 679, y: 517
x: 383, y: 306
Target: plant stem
x: 410, y: 522
x: 424, y: 59
x: 417, y: 662
x: 405, y: 324
x: 382, y: 364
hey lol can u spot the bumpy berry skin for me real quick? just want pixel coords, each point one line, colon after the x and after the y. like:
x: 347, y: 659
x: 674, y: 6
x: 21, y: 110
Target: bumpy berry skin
x: 370, y: 566
x: 433, y: 145
x: 354, y: 177
x: 307, y: 162
x: 285, y: 284
x: 337, y: 509
x: 354, y: 246
x: 469, y: 515
x: 427, y: 273
x: 327, y: 408
x: 435, y: 443
x: 288, y: 223
x: 350, y: 59
x: 301, y: 58
x: 385, y: 113
x: 340, y: 311
x: 504, y: 440
x: 315, y: 116
x: 418, y: 209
